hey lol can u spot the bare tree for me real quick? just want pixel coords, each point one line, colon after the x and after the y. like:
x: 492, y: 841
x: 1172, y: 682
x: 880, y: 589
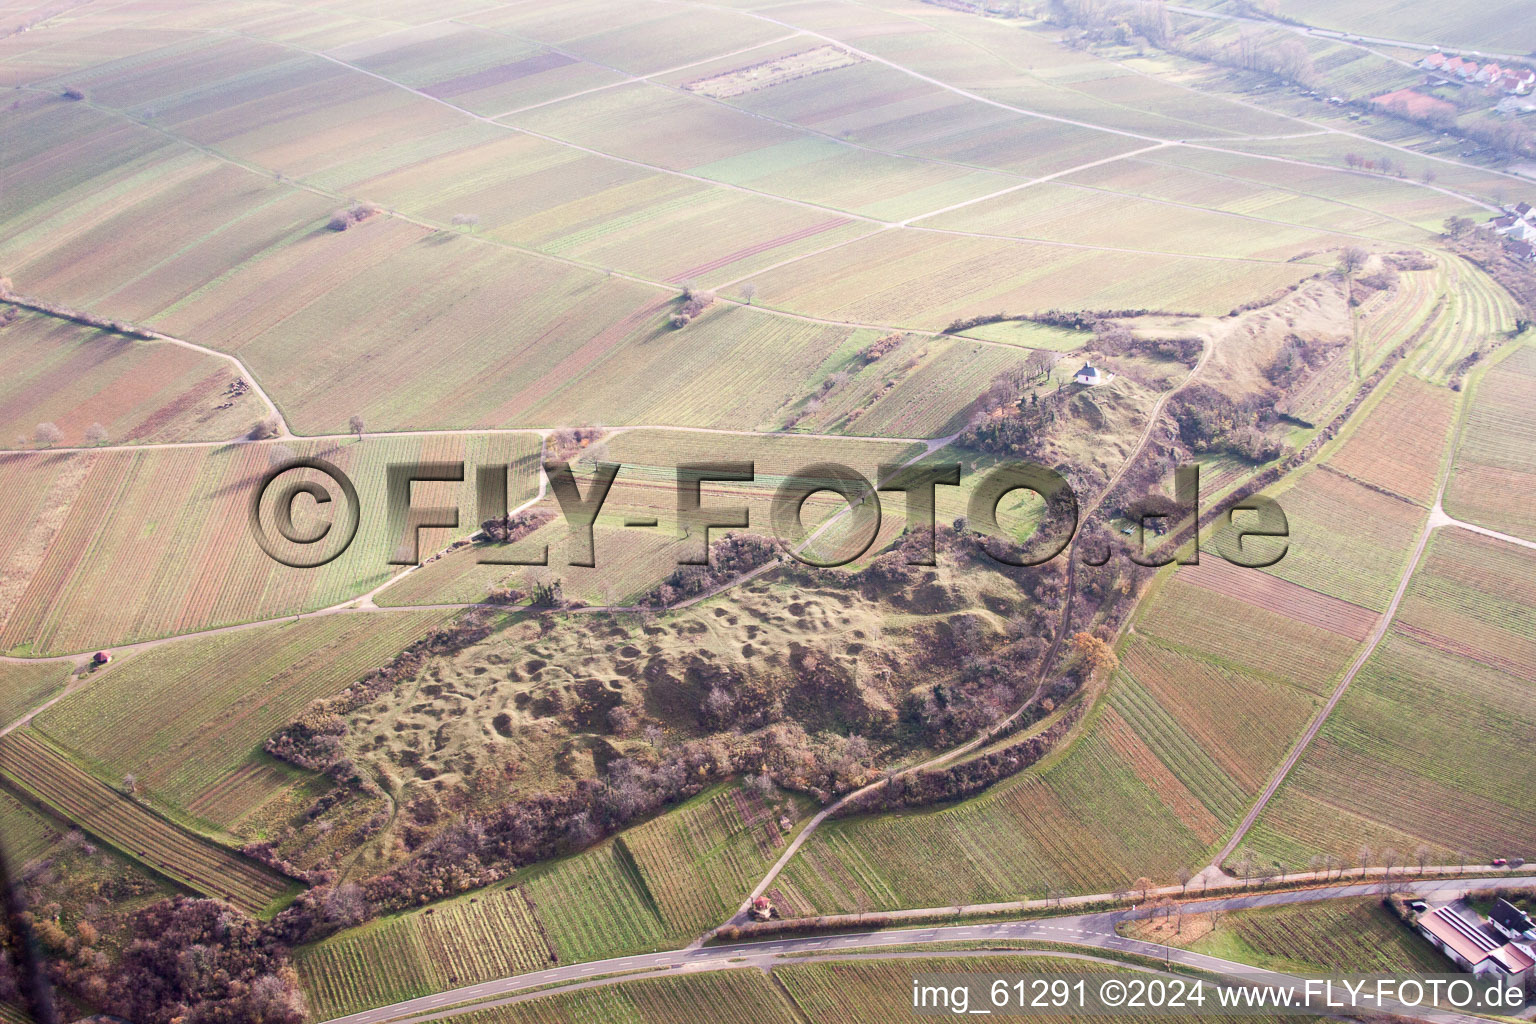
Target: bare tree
x: 1142, y: 885
x: 466, y: 220
x: 1185, y: 874
x: 1363, y: 855
x: 1389, y: 859
x: 1351, y: 262
x: 749, y: 292
x: 1421, y: 856
x: 47, y: 434
x: 355, y: 425
x: 96, y: 433
x: 1456, y: 228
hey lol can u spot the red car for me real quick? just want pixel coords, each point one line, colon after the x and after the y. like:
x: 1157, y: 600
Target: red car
x: 1500, y: 862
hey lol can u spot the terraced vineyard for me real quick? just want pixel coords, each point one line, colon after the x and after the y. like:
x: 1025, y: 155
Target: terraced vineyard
x: 198, y: 863
x: 1346, y: 541
x: 28, y: 834
x: 1476, y: 317
x: 1026, y: 837
x: 463, y: 942
x: 1344, y: 935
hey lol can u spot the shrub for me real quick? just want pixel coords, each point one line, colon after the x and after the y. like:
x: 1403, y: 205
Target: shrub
x: 271, y: 426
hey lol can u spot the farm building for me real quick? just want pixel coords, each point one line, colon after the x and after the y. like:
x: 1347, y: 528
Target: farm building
x: 1474, y: 946
x: 1089, y: 375
x: 101, y: 658
x: 762, y: 909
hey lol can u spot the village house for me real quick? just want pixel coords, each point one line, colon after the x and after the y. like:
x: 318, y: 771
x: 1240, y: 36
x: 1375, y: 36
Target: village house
x: 1512, y: 922
x: 1517, y: 228
x: 1513, y: 79
x: 1473, y: 946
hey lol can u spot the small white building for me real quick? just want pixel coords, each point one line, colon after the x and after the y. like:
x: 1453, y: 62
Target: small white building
x: 1089, y: 376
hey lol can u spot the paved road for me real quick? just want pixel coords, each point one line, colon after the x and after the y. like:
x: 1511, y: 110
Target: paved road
x: 1089, y: 930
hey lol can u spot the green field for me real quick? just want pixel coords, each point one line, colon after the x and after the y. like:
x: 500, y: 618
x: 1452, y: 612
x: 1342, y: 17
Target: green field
x: 24, y: 687
x: 463, y: 942
x: 1448, y: 689
x: 1494, y: 478
x: 203, y: 708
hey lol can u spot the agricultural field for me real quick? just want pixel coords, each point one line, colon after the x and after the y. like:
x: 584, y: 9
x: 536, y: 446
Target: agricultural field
x: 43, y: 773
x: 1449, y: 685
x: 25, y: 687
x: 665, y: 881
x: 79, y: 377
x: 462, y: 942
x: 1477, y: 316
x: 1493, y: 480
x: 700, y: 861
x: 595, y: 904
x: 1356, y: 935
x: 1495, y: 26
x: 745, y: 996
x: 203, y: 708
x: 1400, y: 446
x: 1346, y: 540
x: 1077, y: 826
x: 29, y: 834
x: 386, y: 233
x: 142, y: 544
x: 878, y: 991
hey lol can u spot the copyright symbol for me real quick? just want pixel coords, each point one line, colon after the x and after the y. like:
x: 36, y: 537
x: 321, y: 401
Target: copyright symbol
x: 1112, y: 992
x: 319, y: 540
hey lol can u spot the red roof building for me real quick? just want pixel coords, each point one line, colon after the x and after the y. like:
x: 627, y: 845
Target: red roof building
x: 1473, y: 946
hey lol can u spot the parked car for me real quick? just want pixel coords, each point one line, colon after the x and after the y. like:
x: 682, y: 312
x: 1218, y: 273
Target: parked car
x: 1500, y: 862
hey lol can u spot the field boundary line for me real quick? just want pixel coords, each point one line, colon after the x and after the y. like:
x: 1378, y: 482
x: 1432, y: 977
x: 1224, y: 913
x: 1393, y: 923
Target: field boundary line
x: 1377, y: 634
x: 149, y: 334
